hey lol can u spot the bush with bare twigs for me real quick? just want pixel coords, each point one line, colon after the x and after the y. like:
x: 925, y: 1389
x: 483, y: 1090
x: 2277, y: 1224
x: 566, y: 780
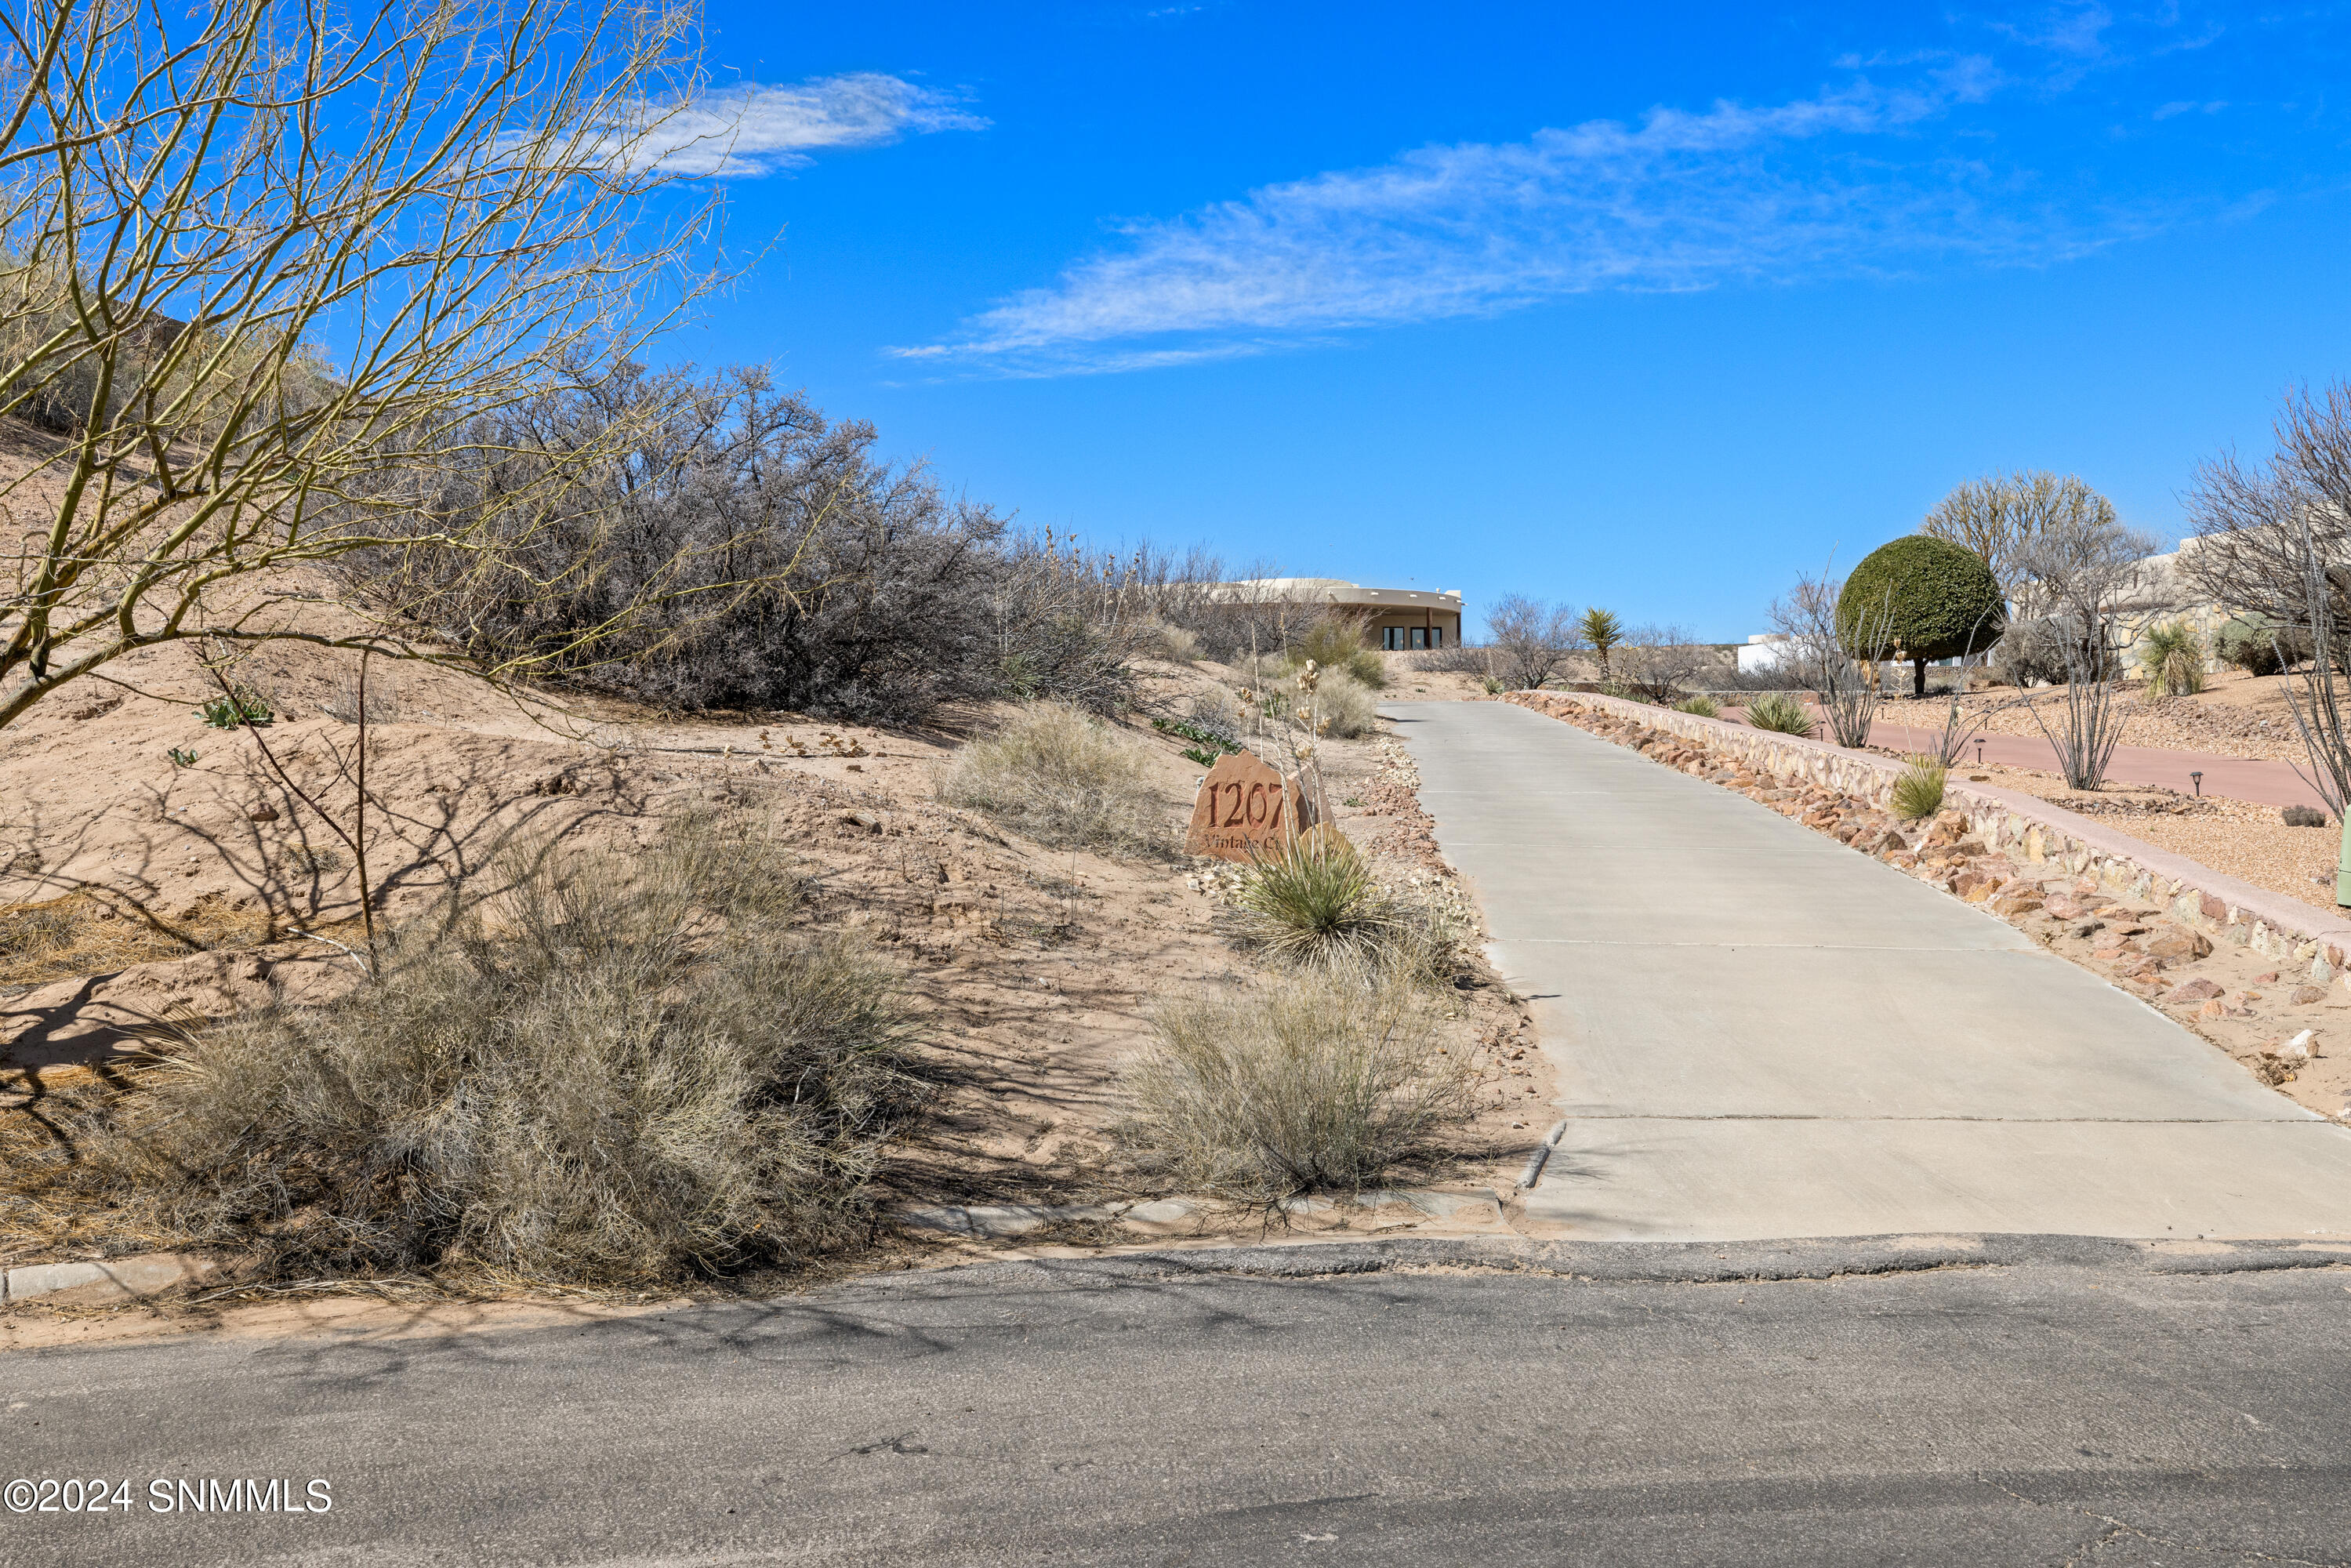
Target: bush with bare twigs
x: 623, y: 1070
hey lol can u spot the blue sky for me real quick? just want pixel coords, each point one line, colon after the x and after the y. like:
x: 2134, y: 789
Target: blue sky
x: 1649, y: 306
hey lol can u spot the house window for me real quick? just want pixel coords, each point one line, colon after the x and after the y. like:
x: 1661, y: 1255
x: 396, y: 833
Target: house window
x: 1391, y: 638
x: 1397, y: 639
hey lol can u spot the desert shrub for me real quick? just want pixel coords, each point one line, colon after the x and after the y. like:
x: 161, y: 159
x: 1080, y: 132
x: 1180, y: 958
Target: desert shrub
x: 2258, y: 646
x: 1343, y: 707
x: 1704, y: 706
x: 1316, y: 1081
x: 2303, y: 817
x: 1336, y: 643
x: 1924, y: 596
x: 1782, y: 714
x: 1493, y: 685
x: 625, y: 1069
x: 1313, y: 900
x: 1063, y: 778
x: 2172, y: 654
x: 1313, y: 903
x: 1460, y: 659
x: 2031, y: 650
x: 1918, y: 790
x: 1164, y: 640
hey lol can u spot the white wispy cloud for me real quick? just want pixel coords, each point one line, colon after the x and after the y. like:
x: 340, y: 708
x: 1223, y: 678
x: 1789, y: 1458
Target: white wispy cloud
x: 1681, y: 200
x: 750, y: 132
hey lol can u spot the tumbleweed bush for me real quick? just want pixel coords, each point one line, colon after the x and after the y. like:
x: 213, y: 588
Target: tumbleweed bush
x: 1918, y: 789
x: 1320, y: 1081
x: 626, y: 1069
x: 1780, y: 713
x: 1064, y: 777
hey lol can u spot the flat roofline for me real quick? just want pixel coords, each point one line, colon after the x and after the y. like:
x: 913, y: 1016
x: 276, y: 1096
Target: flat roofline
x: 1332, y: 591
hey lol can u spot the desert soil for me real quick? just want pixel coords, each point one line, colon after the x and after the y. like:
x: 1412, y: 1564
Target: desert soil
x: 135, y: 887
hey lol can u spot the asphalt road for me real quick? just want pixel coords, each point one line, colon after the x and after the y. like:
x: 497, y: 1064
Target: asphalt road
x: 1759, y: 1032
x: 1989, y: 1402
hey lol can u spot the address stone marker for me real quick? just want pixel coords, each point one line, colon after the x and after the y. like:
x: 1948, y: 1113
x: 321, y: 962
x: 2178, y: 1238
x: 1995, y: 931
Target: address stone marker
x: 1245, y: 808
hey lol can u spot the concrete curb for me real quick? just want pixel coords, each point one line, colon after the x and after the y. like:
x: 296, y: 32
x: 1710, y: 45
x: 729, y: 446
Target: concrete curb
x: 1541, y: 1155
x: 100, y: 1283
x: 2270, y: 923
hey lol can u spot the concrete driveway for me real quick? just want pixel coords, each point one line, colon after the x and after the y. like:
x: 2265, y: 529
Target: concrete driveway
x: 1761, y: 1033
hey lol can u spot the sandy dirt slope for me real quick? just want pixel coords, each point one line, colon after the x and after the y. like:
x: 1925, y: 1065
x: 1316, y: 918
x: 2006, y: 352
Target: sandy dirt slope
x: 191, y: 889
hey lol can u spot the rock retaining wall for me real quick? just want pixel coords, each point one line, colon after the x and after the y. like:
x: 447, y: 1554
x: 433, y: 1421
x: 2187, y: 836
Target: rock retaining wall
x: 2270, y: 923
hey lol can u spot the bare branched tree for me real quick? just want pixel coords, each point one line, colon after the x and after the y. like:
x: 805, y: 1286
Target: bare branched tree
x: 256, y: 257
x: 1529, y: 640
x: 2084, y: 573
x: 1999, y: 514
x: 1838, y: 668
x: 2275, y: 539
x: 1656, y: 661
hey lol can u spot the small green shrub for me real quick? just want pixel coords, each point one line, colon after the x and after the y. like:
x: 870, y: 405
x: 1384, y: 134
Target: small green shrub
x: 228, y: 712
x: 1063, y: 778
x: 1495, y: 685
x: 1704, y: 706
x: 1780, y: 713
x: 632, y: 1069
x: 1311, y: 1081
x: 2260, y: 646
x: 2172, y: 654
x: 1336, y: 643
x: 1918, y: 791
x: 1211, y: 744
x: 181, y: 758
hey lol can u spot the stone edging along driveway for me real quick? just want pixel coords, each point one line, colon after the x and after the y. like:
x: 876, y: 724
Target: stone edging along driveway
x: 2275, y: 927
x: 2255, y: 974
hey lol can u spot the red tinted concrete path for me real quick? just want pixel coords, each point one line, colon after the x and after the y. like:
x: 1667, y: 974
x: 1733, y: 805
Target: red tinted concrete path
x: 2271, y: 783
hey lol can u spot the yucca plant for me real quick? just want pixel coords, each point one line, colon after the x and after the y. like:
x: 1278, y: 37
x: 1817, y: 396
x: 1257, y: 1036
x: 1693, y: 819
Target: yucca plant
x: 1313, y: 903
x: 1780, y: 713
x: 1919, y: 792
x: 2172, y: 654
x: 1704, y: 706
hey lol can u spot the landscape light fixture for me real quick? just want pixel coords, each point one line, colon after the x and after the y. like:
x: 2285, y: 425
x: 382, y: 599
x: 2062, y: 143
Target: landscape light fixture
x: 2198, y: 774
x: 1979, y: 751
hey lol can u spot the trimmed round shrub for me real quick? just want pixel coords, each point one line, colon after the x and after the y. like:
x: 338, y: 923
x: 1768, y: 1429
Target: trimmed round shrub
x: 1927, y: 597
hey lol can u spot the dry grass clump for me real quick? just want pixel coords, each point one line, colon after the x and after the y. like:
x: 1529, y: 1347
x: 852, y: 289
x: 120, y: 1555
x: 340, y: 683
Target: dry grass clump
x: 1063, y: 778
x: 85, y: 933
x: 1316, y: 1081
x: 1345, y: 706
x: 625, y: 1069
